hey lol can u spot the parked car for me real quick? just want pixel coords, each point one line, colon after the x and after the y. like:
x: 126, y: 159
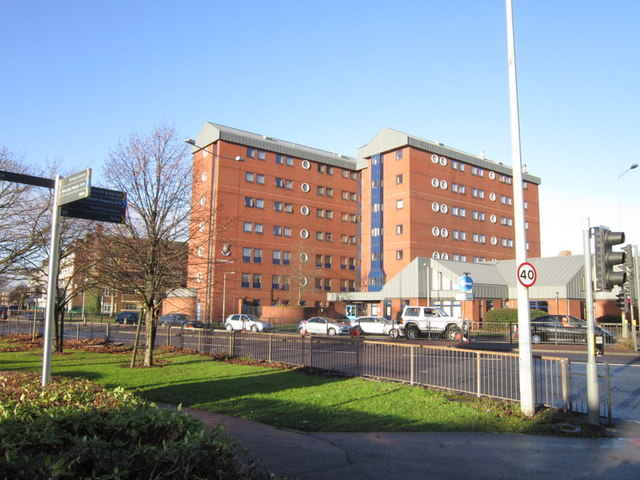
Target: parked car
x: 173, y: 320
x: 246, y: 322
x: 193, y: 324
x: 376, y: 326
x: 324, y: 326
x: 418, y: 320
x: 128, y: 318
x: 564, y: 329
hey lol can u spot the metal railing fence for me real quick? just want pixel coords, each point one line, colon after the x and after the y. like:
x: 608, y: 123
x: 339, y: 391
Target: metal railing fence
x: 475, y: 372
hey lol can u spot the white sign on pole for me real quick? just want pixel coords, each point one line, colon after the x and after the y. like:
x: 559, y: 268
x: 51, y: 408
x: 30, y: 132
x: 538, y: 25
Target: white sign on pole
x: 527, y: 274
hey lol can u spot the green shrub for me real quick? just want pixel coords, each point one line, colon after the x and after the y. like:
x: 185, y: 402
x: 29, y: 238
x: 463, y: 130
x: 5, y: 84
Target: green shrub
x: 76, y: 429
x: 509, y: 314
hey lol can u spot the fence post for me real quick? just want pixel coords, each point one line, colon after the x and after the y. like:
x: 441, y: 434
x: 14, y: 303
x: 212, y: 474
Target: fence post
x: 565, y: 394
x: 357, y: 344
x: 169, y: 336
x: 310, y: 351
x: 412, y: 365
x: 106, y: 332
x: 608, y: 379
x: 478, y: 374
x: 270, y: 345
x: 77, y: 331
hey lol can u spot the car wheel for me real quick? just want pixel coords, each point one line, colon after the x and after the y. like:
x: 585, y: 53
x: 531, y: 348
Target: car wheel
x: 412, y: 332
x: 302, y: 331
x: 332, y: 331
x: 254, y: 328
x: 228, y: 327
x: 394, y: 333
x: 452, y: 332
x: 536, y: 338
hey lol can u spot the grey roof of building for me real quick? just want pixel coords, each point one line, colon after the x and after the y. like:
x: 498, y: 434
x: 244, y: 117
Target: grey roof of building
x: 212, y: 132
x: 388, y: 139
x: 556, y: 276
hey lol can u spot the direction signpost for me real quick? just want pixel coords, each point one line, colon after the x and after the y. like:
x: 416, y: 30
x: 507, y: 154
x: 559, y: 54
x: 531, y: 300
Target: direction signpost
x: 74, y: 198
x: 74, y: 187
x: 102, y: 205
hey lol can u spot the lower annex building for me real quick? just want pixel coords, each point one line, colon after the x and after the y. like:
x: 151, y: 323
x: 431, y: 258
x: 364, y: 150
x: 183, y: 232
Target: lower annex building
x: 278, y: 224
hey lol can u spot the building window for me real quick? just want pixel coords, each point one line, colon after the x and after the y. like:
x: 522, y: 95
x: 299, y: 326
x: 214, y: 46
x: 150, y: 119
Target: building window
x: 398, y: 154
x: 251, y: 152
x: 262, y: 155
x: 399, y: 229
x: 277, y: 254
x: 246, y: 254
x: 257, y: 255
x: 258, y: 228
x: 260, y: 179
x: 399, y: 179
x: 247, y: 227
x: 399, y: 254
x: 245, y: 280
x: 399, y: 204
x: 249, y: 177
x: 286, y: 258
x: 257, y: 280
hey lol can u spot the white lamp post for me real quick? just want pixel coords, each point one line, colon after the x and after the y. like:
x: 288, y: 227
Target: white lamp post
x: 224, y: 293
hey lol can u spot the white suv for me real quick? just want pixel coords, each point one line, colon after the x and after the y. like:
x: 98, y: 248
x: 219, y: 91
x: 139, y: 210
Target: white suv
x: 417, y: 320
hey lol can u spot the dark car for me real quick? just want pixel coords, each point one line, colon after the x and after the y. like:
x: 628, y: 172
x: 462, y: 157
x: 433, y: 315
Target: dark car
x: 173, y: 320
x: 564, y: 329
x: 193, y: 324
x: 128, y: 318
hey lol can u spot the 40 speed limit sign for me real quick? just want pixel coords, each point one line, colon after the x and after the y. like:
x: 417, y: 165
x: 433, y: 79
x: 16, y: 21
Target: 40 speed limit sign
x: 527, y: 274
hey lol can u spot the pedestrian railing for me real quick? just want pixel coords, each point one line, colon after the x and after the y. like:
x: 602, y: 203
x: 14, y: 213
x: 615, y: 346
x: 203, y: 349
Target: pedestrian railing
x: 481, y: 373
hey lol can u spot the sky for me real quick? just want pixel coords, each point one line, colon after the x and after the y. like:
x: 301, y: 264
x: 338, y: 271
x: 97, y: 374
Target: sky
x: 80, y: 76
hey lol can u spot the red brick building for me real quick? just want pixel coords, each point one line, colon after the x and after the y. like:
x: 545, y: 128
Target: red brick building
x: 275, y: 223
x: 280, y: 224
x: 422, y: 199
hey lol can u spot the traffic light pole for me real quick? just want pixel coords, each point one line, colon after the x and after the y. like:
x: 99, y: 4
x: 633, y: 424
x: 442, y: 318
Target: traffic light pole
x: 593, y: 393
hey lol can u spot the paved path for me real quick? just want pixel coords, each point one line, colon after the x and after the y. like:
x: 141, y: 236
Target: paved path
x: 460, y: 456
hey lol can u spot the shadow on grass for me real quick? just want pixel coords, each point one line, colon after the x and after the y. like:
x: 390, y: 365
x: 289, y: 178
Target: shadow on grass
x: 221, y: 389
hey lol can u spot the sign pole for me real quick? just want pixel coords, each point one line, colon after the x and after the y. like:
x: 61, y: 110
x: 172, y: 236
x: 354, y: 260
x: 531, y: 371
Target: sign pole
x: 52, y: 287
x: 527, y: 388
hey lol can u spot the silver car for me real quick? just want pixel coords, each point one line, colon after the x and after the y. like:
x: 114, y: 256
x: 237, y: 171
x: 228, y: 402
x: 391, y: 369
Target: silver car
x: 245, y: 322
x: 375, y: 326
x: 324, y: 326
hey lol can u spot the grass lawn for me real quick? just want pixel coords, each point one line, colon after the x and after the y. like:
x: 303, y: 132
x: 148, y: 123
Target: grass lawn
x: 288, y: 398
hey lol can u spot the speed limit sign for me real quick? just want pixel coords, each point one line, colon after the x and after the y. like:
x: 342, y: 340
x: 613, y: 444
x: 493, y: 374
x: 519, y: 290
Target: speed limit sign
x: 527, y: 274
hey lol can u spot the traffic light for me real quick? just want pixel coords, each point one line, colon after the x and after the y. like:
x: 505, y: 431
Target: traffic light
x: 620, y: 303
x: 606, y: 259
x: 631, y: 274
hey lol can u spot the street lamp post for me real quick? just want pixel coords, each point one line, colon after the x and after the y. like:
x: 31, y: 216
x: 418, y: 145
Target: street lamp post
x: 635, y: 165
x: 224, y: 293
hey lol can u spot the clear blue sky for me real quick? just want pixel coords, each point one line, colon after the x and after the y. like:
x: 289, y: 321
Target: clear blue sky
x: 78, y: 76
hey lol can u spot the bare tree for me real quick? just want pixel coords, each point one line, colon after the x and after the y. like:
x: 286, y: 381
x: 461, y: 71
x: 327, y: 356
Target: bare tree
x: 148, y: 253
x: 22, y: 214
